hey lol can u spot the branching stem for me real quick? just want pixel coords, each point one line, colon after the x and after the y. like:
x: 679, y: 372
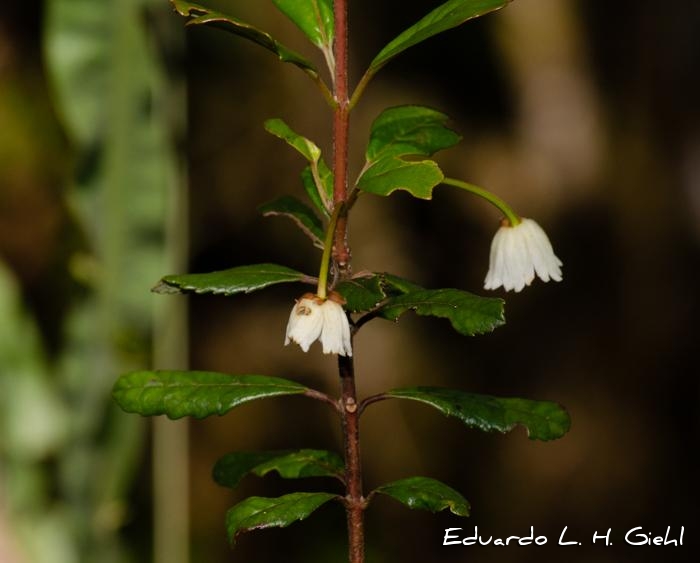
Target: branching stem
x: 354, y: 501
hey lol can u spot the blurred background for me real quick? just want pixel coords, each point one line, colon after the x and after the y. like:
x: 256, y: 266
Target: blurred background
x: 582, y: 114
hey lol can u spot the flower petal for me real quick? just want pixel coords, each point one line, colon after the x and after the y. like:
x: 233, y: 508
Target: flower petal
x: 518, y: 254
x: 335, y: 336
x: 305, y: 323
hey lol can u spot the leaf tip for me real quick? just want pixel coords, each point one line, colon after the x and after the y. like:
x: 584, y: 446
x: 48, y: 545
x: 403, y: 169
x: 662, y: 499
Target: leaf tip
x: 164, y: 287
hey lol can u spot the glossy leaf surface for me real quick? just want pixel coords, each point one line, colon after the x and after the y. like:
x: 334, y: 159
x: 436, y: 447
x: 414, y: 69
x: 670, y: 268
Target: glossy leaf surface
x: 409, y: 130
x: 280, y: 129
x: 302, y: 215
x: 195, y: 393
x: 425, y: 493
x: 469, y: 314
x: 201, y: 15
x: 444, y: 17
x: 362, y: 293
x: 257, y: 513
x: 543, y: 420
x: 230, y: 469
x: 405, y: 131
x: 313, y: 17
x: 241, y: 279
x: 390, y: 174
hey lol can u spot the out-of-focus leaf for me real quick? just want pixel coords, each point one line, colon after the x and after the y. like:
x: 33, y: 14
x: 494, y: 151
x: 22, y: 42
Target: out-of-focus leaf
x: 257, y: 513
x: 425, y: 493
x: 200, y: 15
x: 230, y: 469
x: 242, y: 279
x: 469, y: 314
x: 405, y: 131
x: 444, y: 17
x: 302, y: 215
x: 33, y: 421
x: 121, y: 109
x: 543, y: 420
x: 195, y: 393
x: 313, y: 17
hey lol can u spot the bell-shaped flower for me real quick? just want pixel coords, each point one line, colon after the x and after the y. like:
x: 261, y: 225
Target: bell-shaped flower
x: 313, y: 318
x: 518, y: 253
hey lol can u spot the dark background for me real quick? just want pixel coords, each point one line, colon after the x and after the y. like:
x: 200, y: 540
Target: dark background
x: 583, y: 115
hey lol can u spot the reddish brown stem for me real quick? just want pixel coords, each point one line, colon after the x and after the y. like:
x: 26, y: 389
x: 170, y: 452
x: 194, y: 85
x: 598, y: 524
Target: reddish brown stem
x: 354, y: 501
x: 341, y: 128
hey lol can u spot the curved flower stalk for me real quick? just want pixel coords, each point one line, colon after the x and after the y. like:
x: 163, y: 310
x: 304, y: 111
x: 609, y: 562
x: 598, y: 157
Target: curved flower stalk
x: 518, y: 252
x: 314, y: 318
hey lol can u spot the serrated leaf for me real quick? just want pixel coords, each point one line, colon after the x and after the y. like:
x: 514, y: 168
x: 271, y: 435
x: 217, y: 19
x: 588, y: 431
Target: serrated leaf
x: 397, y: 285
x: 200, y: 15
x: 425, y: 493
x: 405, y: 131
x: 444, y: 17
x: 366, y: 291
x: 302, y: 215
x: 230, y: 469
x: 390, y: 174
x: 304, y: 146
x: 257, y: 513
x: 543, y: 420
x: 409, y: 130
x: 362, y: 293
x: 469, y: 314
x: 195, y: 393
x: 241, y: 279
x: 313, y: 17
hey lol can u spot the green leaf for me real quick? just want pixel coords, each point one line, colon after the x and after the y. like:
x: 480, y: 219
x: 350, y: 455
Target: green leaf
x: 362, y: 293
x: 543, y: 420
x: 300, y: 213
x: 280, y: 129
x: 366, y: 291
x: 317, y: 177
x: 230, y: 469
x: 257, y: 513
x: 405, y: 131
x: 200, y: 15
x: 195, y: 393
x: 426, y: 494
x: 397, y: 285
x: 409, y: 130
x: 312, y: 190
x: 313, y: 17
x: 242, y: 279
x: 391, y: 174
x: 468, y: 313
x: 444, y: 17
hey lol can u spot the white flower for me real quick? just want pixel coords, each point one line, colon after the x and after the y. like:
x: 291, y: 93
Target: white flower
x: 518, y: 253
x: 313, y: 318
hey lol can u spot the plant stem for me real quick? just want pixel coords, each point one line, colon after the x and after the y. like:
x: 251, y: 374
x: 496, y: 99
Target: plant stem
x: 341, y: 127
x: 354, y: 501
x: 493, y: 199
x: 322, y: 287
